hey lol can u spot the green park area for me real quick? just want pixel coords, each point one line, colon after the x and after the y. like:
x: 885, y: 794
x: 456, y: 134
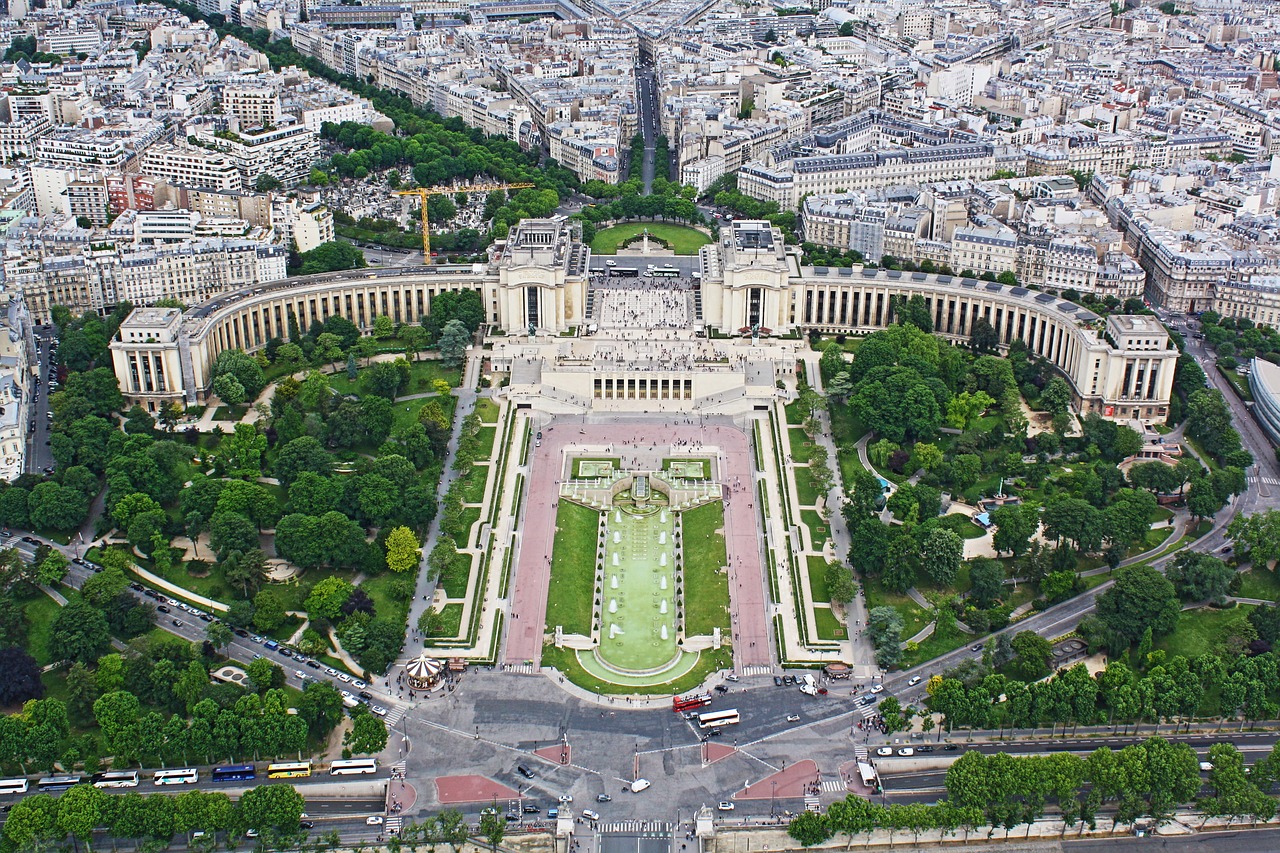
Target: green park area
x: 679, y: 238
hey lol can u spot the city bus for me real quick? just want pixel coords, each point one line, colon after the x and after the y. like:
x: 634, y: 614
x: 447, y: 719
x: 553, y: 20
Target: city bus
x: 353, y: 767
x: 186, y: 776
x: 289, y: 770
x: 680, y: 704
x: 718, y: 718
x: 58, y: 783
x: 665, y: 272
x: 234, y: 773
x: 116, y: 779
x: 625, y: 272
x: 13, y: 786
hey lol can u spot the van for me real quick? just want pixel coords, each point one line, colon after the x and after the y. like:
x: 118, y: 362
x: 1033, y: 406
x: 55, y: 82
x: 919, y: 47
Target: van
x: 553, y: 813
x: 272, y: 644
x: 524, y: 771
x: 639, y: 785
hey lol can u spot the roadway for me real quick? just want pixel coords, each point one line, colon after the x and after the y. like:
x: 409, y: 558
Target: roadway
x: 39, y: 454
x: 647, y: 99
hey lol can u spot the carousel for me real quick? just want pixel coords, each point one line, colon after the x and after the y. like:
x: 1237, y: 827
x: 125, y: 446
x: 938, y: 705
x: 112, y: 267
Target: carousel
x: 424, y: 673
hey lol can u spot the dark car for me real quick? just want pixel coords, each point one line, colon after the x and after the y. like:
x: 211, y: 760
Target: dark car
x: 924, y: 748
x: 788, y: 680
x: 716, y: 733
x: 177, y: 623
x: 720, y: 688
x: 512, y: 818
x: 310, y: 663
x: 162, y: 609
x: 365, y: 694
x: 137, y: 587
x: 777, y: 681
x: 603, y: 798
x: 31, y: 540
x: 867, y: 700
x: 205, y: 617
x: 151, y: 593
x: 524, y: 771
x: 531, y: 810
x: 949, y: 747
x: 284, y: 653
x: 240, y: 632
x: 305, y: 824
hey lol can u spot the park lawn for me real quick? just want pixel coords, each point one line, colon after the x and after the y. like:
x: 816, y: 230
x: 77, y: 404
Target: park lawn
x: 963, y: 526
x: 386, y: 604
x: 818, y: 531
x: 484, y: 441
x: 286, y: 630
x: 1259, y: 583
x: 801, y: 446
x: 914, y: 617
x: 828, y: 626
x: 817, y: 568
x: 706, y: 587
x: 709, y: 661
x: 573, y: 569
x: 473, y: 484
x: 795, y: 413
x: 200, y: 577
x: 806, y: 491
x: 934, y: 645
x: 421, y: 375
x: 40, y: 611
x: 1160, y: 513
x: 1151, y: 539
x: 468, y: 518
x: 405, y: 412
x: 455, y: 585
x: 846, y: 429
x: 230, y: 413
x: 451, y: 621
x: 487, y: 410
x: 681, y: 239
x: 1199, y: 630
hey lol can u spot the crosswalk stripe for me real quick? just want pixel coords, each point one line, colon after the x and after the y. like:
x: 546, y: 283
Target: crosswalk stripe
x: 834, y: 786
x: 631, y: 826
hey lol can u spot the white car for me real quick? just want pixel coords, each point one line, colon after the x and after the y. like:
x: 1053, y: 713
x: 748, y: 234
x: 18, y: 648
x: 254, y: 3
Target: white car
x: 360, y: 684
x: 590, y: 815
x: 378, y: 710
x: 906, y: 752
x: 1206, y: 767
x: 793, y: 718
x: 330, y: 671
x: 885, y: 750
x: 565, y: 799
x: 344, y: 678
x: 915, y: 679
x: 173, y: 602
x: 725, y: 807
x: 877, y: 688
x: 346, y: 694
x: 373, y: 820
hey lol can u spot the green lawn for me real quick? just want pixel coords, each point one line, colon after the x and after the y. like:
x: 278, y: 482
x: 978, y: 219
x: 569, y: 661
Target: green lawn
x: 914, y: 617
x: 230, y: 413
x: 818, y: 531
x: 473, y: 484
x: 469, y: 517
x: 829, y: 628
x: 573, y: 569
x: 40, y: 611
x: 286, y: 629
x: 708, y: 662
x: 1199, y: 631
x: 405, y: 412
x: 680, y: 238
x: 1259, y: 583
x: 385, y: 602
x: 806, y: 491
x: 576, y: 472
x: 421, y: 375
x: 484, y: 441
x: 487, y: 410
x: 963, y: 526
x: 936, y: 644
x: 817, y: 568
x: 795, y: 413
x: 706, y: 588
x: 801, y: 446
x: 451, y: 619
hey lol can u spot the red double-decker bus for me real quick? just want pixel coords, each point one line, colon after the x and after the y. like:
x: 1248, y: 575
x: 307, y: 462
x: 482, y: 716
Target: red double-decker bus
x: 680, y: 704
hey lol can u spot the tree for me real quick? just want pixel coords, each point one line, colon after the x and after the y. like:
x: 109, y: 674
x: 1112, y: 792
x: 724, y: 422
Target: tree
x: 331, y: 256
x: 454, y: 340
x: 243, y: 367
x: 1032, y: 654
x: 270, y: 806
x: 987, y: 581
x: 1257, y: 536
x: 1075, y: 520
x: 268, y: 610
x: 229, y: 389
x: 884, y: 627
x: 263, y: 674
x: 368, y: 734
x: 940, y: 555
x: 1198, y: 577
x: 403, y: 551
x: 320, y: 705
x: 82, y: 809
x: 21, y: 677
x: 231, y: 531
x: 79, y: 633
x: 1015, y: 525
x: 245, y: 571
x: 492, y: 828
x: 1127, y: 517
x: 1140, y: 598
x: 52, y: 569
x: 117, y: 714
x: 327, y: 597
x: 809, y: 828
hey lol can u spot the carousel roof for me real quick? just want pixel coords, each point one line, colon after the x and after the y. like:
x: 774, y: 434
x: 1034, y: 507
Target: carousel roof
x: 425, y: 668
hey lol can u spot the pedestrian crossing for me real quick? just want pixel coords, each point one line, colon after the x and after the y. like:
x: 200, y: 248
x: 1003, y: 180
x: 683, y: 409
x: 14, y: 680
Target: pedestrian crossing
x: 399, y: 767
x: 631, y: 827
x: 834, y: 786
x: 757, y: 670
x: 524, y: 668
x: 1270, y: 481
x: 868, y: 711
x: 394, y: 714
x: 394, y: 823
x: 812, y: 804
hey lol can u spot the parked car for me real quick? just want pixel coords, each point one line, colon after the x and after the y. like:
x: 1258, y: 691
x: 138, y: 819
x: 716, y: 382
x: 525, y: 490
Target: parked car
x: 725, y: 806
x: 907, y: 751
x: 885, y: 750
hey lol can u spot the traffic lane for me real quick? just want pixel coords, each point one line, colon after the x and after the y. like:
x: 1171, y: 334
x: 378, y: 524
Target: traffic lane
x: 1228, y: 841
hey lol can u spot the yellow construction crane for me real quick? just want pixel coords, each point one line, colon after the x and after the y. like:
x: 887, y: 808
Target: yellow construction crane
x: 422, y: 195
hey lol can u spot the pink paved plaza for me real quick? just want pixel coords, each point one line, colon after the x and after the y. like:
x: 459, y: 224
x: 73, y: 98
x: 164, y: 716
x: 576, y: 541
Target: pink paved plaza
x: 742, y: 534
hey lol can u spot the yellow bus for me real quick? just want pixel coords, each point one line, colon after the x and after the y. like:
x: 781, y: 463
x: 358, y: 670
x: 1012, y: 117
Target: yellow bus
x: 289, y: 770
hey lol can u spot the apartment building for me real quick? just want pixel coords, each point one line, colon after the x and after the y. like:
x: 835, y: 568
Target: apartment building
x: 192, y: 166
x: 285, y: 153
x: 255, y: 105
